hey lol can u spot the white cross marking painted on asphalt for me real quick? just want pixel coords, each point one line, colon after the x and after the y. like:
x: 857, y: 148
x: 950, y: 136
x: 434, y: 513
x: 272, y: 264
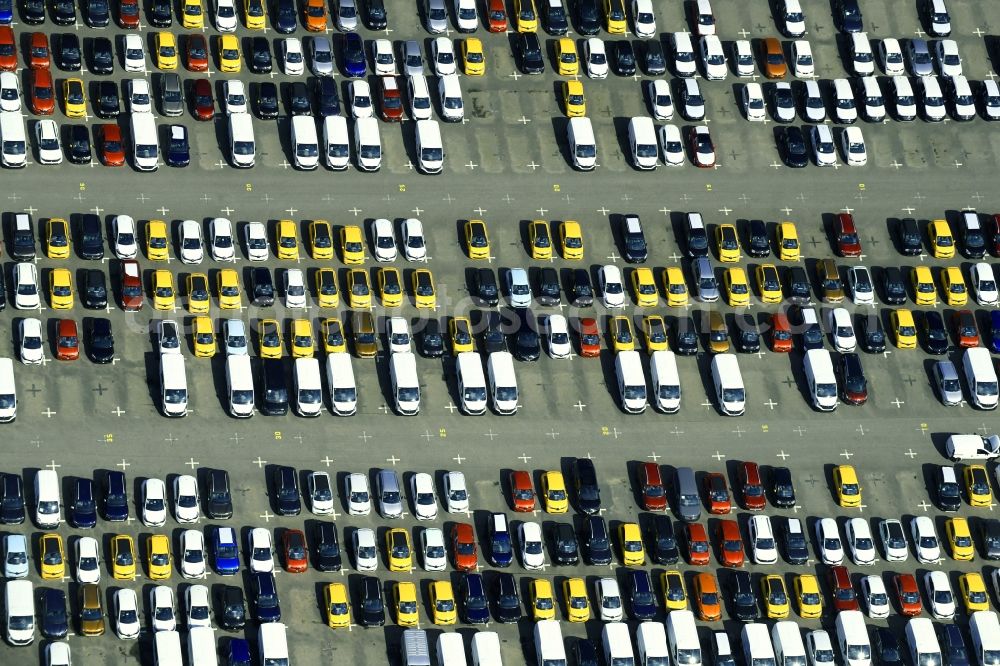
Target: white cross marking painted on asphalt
x: 227, y: 210
x: 123, y: 464
x: 800, y: 430
x: 771, y: 403
x: 459, y: 458
x: 911, y: 453
x: 326, y: 461
x: 192, y: 463
x: 480, y: 211
x: 718, y: 456
x: 531, y: 165
x: 860, y: 429
x: 847, y: 454
x: 781, y: 454
x: 260, y: 463
x: 523, y: 120
x: 52, y: 465
x: 925, y: 505
x: 725, y: 210
x: 492, y: 435
x: 603, y: 211
x: 267, y: 516
x: 118, y: 411
x: 451, y: 407
x: 899, y: 403
x: 524, y: 458
x: 786, y: 210
x: 354, y: 210
x: 392, y: 459
x: 365, y: 436
x: 49, y: 413
x: 552, y: 433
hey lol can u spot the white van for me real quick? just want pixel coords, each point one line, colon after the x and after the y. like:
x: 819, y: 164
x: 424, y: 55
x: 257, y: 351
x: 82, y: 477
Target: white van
x: 651, y: 639
x: 684, y: 60
x: 239, y: 385
x: 728, y: 381
x: 450, y: 95
x: 486, y: 649
x: 305, y: 143
x: 788, y: 647
x: 273, y: 644
x: 13, y: 140
x: 852, y: 638
x: 241, y: 142
x: 582, y: 144
x: 682, y: 638
x: 145, y: 149
x: 972, y: 447
x: 795, y: 21
x: 340, y: 379
x: 8, y: 392
x: 617, y: 644
x: 450, y: 647
x: 19, y: 604
x: 872, y: 100
x: 549, y: 647
x: 337, y: 142
x: 922, y: 641
x: 471, y: 382
x: 367, y: 144
x: 173, y: 385
x: 981, y: 377
x: 820, y: 380
x: 47, y: 499
x: 405, y: 383
x: 503, y: 382
x: 167, y: 649
x: 906, y: 107
x: 642, y: 142
x: 430, y: 149
x: 985, y: 629
x: 307, y: 386
x: 631, y: 381
x: 201, y: 644
x: 757, y: 649
x: 666, y: 381
x: 415, y: 650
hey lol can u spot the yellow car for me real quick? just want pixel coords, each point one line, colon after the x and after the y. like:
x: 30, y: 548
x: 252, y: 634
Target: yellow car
x: 575, y: 598
x: 942, y: 242
x: 199, y: 301
x: 477, y: 240
x: 644, y: 288
x: 676, y: 288
x: 158, y: 557
x: 788, y: 242
x: 614, y: 13
x: 53, y: 557
x: 271, y: 344
x: 808, y: 596
x: 288, y: 243
x: 768, y: 283
x: 166, y: 50
x: 622, y: 336
x: 728, y: 243
x: 903, y: 328
x: 321, y: 239
x: 255, y: 15
x: 404, y: 597
x: 543, y: 605
x: 57, y: 238
x: 123, y: 557
x: 630, y: 539
x: 229, y: 54
x: 554, y: 497
x: 972, y: 589
x: 460, y: 332
x: 674, y: 591
x: 359, y: 291
x: 959, y: 539
x: 737, y: 287
x: 977, y: 485
x: 156, y: 240
x: 654, y: 330
x: 192, y: 14
x: 398, y: 549
x: 302, y: 338
x: 574, y: 101
x: 473, y: 57
x: 204, y: 337
x: 424, y: 295
x: 326, y: 288
x: 571, y: 240
x: 352, y: 245
x: 75, y: 98
x: 163, y: 290
x: 61, y: 289
x: 333, y: 336
x: 336, y: 605
x: 527, y: 15
x: 924, y: 291
x: 390, y: 287
x: 566, y: 56
x: 227, y: 282
x: 846, y: 486
x: 443, y: 603
x: 955, y: 292
x: 772, y: 587
x: 540, y: 240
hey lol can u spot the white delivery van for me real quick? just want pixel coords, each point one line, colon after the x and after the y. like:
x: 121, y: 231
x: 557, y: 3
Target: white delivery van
x: 242, y: 146
x: 922, y: 641
x: 451, y: 649
x: 239, y: 382
x: 503, y: 382
x: 549, y: 647
x: 757, y: 649
x: 337, y: 142
x: 820, y: 380
x: 173, y: 385
x: 47, y: 499
x: 582, y: 145
x: 666, y: 381
x: 450, y: 95
x: 343, y: 389
x: 642, y: 142
x: 972, y: 447
x: 145, y: 148
x: 789, y: 649
x: 682, y: 638
x: 617, y: 643
x: 852, y: 638
x: 8, y: 392
x: 201, y: 645
x: 367, y: 144
x: 415, y: 650
x: 305, y: 143
x: 19, y: 604
x: 167, y: 649
x: 985, y: 629
x: 728, y: 381
x: 272, y: 640
x: 13, y: 140
x: 631, y: 381
x: 981, y: 377
x: 405, y: 383
x: 430, y: 149
x: 651, y: 640
x: 308, y: 389
x: 471, y: 382
x: 486, y: 649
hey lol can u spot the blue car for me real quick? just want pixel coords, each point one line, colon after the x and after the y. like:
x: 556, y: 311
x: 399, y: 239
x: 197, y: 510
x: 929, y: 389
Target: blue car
x: 178, y: 149
x: 265, y: 597
x: 238, y: 653
x: 501, y: 554
x: 83, y: 508
x: 995, y: 331
x: 227, y: 551
x: 6, y: 12
x: 475, y: 602
x: 115, y: 497
x: 640, y: 591
x: 285, y: 22
x: 354, y: 55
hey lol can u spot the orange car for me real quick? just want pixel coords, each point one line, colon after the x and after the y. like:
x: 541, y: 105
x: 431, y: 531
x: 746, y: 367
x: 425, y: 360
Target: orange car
x: 775, y: 66
x: 706, y: 598
x: 464, y: 543
x: 39, y: 55
x: 522, y: 493
x: 8, y: 49
x: 697, y: 542
x: 315, y: 12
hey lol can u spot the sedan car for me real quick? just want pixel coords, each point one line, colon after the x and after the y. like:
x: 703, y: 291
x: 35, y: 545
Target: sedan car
x: 828, y: 540
x: 939, y: 593
x: 925, y: 540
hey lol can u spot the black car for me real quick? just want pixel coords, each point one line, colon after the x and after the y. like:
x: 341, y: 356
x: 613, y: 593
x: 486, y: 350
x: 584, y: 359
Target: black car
x: 584, y: 653
x: 935, y: 333
x: 624, y: 60
x: 267, y: 100
x: 554, y: 18
x: 431, y: 340
x: 634, y: 241
x: 54, y: 619
x: 178, y: 148
x: 33, y: 12
x: 582, y: 291
x: 747, y: 337
x: 973, y: 240
x: 78, y: 144
x: 796, y: 548
x: 102, y: 341
x: 653, y: 61
x: 68, y: 55
x: 894, y: 286
x: 262, y: 286
x: 742, y: 597
x: 596, y: 542
x: 758, y: 244
x: 642, y: 601
x: 663, y: 541
x: 285, y: 20
x: 115, y: 497
x: 565, y: 548
x: 494, y: 339
x: 287, y: 501
x: 373, y: 12
x: 782, y: 488
x: 108, y: 102
x: 792, y: 147
x: 872, y: 336
x: 847, y: 15
x: 853, y: 379
x: 484, y: 287
x: 886, y: 647
x: 260, y: 55
x: 218, y: 498
x: 798, y: 286
x: 548, y: 286
x: 159, y: 13
x: 685, y: 336
x: 989, y: 534
x: 266, y: 604
x: 83, y: 506
x: 372, y: 607
x: 102, y: 57
x: 327, y: 98
x: 588, y: 492
x: 530, y: 49
x: 526, y: 344
x: 233, y: 607
x: 326, y: 546
x: 949, y: 494
x: 23, y: 246
x: 3, y: 299
x: 909, y: 237
x: 274, y: 398
x: 98, y: 14
x: 63, y: 12
x: 11, y: 499
x: 508, y: 604
x: 475, y: 604
x: 91, y: 238
x: 588, y: 17
x: 298, y: 99
x: 696, y: 236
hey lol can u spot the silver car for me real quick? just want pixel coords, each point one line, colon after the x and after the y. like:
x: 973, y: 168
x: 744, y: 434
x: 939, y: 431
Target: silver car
x: 390, y: 499
x: 518, y: 288
x: 705, y: 284
x: 321, y: 56
x: 409, y: 55
x: 171, y: 96
x: 437, y: 16
x: 347, y: 15
x: 948, y: 385
x: 920, y: 57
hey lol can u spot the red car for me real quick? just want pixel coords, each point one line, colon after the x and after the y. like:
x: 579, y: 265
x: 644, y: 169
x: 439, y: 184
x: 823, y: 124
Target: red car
x: 993, y: 233
x: 497, y: 13
x: 781, y: 333
x: 718, y: 493
x: 965, y: 329
x: 8, y: 49
x: 39, y: 56
x: 702, y: 147
x: 522, y: 493
x: 392, y: 99
x: 590, y: 338
x: 197, y: 53
x: 43, y: 98
x: 697, y: 541
x: 128, y: 13
x: 908, y: 595
x: 844, y: 597
x: 296, y: 553
x: 848, y: 243
x: 730, y: 543
x: 204, y: 102
x: 67, y: 340
x: 752, y: 487
x: 109, y: 138
x: 654, y: 495
x: 131, y: 285
x: 463, y: 539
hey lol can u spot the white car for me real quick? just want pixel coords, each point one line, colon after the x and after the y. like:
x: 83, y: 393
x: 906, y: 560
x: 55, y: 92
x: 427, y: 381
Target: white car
x: 167, y: 337
x: 88, y: 560
x: 383, y: 57
x: 295, y: 288
x: 763, y: 547
x: 186, y: 507
x: 234, y: 336
x: 292, y: 57
x: 518, y: 288
x: 383, y: 239
x: 596, y: 57
x: 260, y: 550
x: 989, y: 95
x: 423, y: 496
x: 876, y: 597
x: 671, y: 145
x: 466, y: 17
x: 558, y: 334
x: 612, y: 291
x: 234, y: 96
x: 58, y: 654
x: 803, y: 63
x: 161, y: 608
x: 456, y: 493
x: 26, y: 295
x: 139, y: 99
x: 359, y: 98
x: 862, y: 58
x: 365, y: 550
x: 432, y: 547
x: 609, y: 600
x: 154, y: 503
x: 10, y: 92
x: 192, y: 250
x: 30, y: 337
x: 660, y: 101
x: 225, y: 16
x: 845, y: 108
x: 320, y: 493
x: 643, y: 19
x: 135, y: 55
x: 255, y: 236
x: 812, y: 102
x: 852, y: 145
x: 692, y: 103
x: 743, y: 58
x: 948, y: 61
x: 126, y: 613
x: 820, y: 648
x: 193, y: 554
x: 359, y: 499
x: 220, y: 238
x: 397, y: 334
x: 859, y: 280
x: 16, y: 561
x: 962, y: 99
x: 47, y: 142
x: 984, y: 285
x: 938, y: 590
x: 420, y: 97
x: 824, y: 151
x: 831, y: 549
x: 925, y: 540
x: 199, y: 612
x: 860, y: 541
x: 753, y: 102
x: 529, y: 534
x: 893, y: 540
x: 783, y: 102
x: 414, y: 243
x: 871, y: 99
x: 891, y: 56
x: 933, y: 99
x: 123, y: 237
x: 443, y: 56
x: 713, y: 58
